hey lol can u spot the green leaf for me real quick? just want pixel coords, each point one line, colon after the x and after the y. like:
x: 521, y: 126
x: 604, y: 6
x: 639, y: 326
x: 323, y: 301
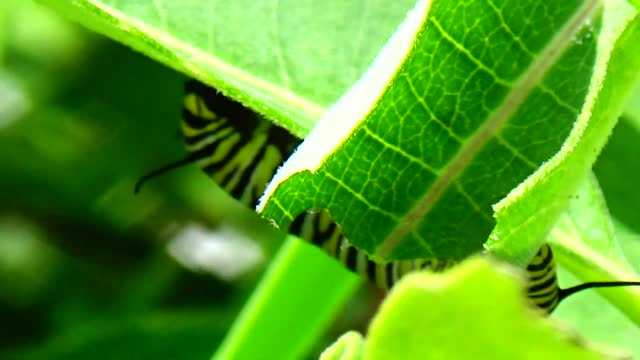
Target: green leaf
x: 285, y: 59
x: 476, y: 311
x: 528, y: 213
x: 618, y: 171
x: 449, y: 119
x: 630, y: 242
x: 596, y: 320
x: 633, y: 107
x: 348, y: 347
x: 277, y: 318
x: 584, y: 243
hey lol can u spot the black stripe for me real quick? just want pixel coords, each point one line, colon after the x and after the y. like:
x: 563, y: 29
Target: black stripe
x: 371, y: 269
x: 547, y: 304
x: 426, y: 265
x: 296, y: 226
x: 207, y: 151
x: 253, y: 198
x: 194, y: 121
x: 193, y: 86
x: 552, y: 281
x: 541, y: 266
x: 540, y: 274
x: 551, y: 291
x: 247, y: 120
x: 245, y: 177
x: 545, y: 261
x: 194, y: 139
x: 388, y: 268
x: 319, y: 237
x: 244, y: 120
x: 213, y: 168
x: 283, y: 140
x: 351, y: 260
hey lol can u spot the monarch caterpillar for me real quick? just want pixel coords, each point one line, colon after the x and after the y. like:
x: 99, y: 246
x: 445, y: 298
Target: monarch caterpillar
x: 241, y: 151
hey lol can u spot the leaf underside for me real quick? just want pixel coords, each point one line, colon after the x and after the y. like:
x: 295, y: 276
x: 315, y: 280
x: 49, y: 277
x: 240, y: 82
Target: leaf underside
x: 488, y: 93
x: 290, y: 67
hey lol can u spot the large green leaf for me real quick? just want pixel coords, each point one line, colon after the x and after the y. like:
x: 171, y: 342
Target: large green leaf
x: 276, y: 318
x: 476, y: 311
x: 286, y: 59
x: 451, y: 117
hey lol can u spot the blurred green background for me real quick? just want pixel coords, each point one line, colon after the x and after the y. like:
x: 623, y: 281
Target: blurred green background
x: 87, y: 268
x: 90, y: 270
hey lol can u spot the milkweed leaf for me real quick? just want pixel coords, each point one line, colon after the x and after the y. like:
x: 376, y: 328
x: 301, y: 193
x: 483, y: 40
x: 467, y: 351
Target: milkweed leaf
x: 584, y: 243
x: 414, y: 171
x: 281, y: 58
x: 527, y: 214
x: 403, y: 330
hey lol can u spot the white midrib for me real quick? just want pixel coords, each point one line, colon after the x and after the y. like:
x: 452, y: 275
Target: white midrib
x: 520, y: 90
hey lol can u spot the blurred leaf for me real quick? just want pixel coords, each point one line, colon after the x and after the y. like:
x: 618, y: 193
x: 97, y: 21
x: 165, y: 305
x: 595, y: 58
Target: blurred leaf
x: 472, y: 310
x: 633, y: 107
x: 348, y: 347
x: 28, y: 265
x: 629, y: 242
x: 295, y: 301
x: 618, y: 172
x: 286, y: 59
x: 75, y: 149
x: 69, y: 162
x: 14, y: 102
x: 617, y: 168
x: 596, y: 320
x: 584, y: 243
x: 39, y: 34
x: 187, y: 335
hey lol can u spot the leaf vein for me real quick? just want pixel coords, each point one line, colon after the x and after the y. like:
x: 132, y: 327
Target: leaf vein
x: 426, y: 107
x: 529, y: 79
x: 399, y: 150
x: 360, y: 197
x: 469, y: 55
x: 517, y: 153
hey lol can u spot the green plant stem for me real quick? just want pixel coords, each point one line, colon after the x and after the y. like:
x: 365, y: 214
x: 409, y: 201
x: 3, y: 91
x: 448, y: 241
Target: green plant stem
x: 291, y: 307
